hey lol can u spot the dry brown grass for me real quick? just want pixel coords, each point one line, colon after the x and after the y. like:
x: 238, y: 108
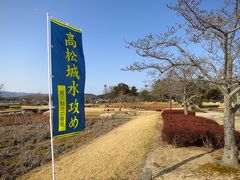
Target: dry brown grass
x: 25, y: 140
x: 145, y: 105
x: 120, y: 154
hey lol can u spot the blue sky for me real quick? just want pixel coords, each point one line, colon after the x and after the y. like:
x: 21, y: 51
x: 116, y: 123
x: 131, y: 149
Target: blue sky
x: 105, y: 25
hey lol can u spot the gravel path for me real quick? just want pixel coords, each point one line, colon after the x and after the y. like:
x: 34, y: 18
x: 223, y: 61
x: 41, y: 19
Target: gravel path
x: 218, y: 117
x: 120, y: 154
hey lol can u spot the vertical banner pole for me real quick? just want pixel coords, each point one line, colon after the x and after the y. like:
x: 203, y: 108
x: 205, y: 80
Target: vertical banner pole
x: 50, y: 90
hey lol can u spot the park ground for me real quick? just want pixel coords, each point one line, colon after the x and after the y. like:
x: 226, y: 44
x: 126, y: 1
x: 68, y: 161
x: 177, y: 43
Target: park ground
x: 193, y: 163
x: 123, y: 152
x: 117, y: 143
x: 120, y: 154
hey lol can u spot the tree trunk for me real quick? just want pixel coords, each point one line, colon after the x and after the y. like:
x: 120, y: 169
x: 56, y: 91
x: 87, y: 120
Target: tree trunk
x: 170, y: 103
x: 185, y: 107
x: 230, y: 154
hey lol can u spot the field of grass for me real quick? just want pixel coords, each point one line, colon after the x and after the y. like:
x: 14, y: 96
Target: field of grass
x: 120, y: 154
x: 145, y: 105
x: 25, y: 139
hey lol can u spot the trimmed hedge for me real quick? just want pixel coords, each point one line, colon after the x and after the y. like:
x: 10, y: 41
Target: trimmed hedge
x: 176, y: 111
x: 181, y: 118
x: 189, y: 130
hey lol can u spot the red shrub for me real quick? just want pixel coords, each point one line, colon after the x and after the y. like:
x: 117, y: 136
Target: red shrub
x: 176, y: 111
x: 181, y: 118
x: 188, y: 130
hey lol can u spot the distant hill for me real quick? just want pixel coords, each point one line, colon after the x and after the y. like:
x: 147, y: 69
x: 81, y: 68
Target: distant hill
x: 7, y: 94
x: 90, y: 96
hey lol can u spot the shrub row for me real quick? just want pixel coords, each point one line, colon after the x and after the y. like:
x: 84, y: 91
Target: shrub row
x: 189, y: 130
x: 181, y: 118
x: 177, y: 111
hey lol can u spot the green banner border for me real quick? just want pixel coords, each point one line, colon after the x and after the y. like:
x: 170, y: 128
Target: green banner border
x: 65, y: 25
x: 67, y: 135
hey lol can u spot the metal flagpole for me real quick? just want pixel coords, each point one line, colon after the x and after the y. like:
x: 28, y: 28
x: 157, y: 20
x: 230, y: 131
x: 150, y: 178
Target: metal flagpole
x: 50, y: 89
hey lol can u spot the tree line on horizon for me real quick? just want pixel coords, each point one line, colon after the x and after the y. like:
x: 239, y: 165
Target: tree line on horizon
x: 164, y: 90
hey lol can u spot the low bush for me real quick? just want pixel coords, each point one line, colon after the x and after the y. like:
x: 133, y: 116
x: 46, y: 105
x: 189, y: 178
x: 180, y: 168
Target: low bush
x: 181, y: 118
x: 176, y: 111
x: 188, y: 130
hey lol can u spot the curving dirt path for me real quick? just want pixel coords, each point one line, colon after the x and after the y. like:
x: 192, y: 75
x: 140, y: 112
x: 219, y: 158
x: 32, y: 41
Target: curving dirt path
x: 120, y: 154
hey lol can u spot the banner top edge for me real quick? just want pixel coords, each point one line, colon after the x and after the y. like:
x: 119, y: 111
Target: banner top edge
x: 65, y: 25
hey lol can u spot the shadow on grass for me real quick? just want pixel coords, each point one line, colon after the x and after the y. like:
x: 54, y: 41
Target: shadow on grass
x: 172, y: 168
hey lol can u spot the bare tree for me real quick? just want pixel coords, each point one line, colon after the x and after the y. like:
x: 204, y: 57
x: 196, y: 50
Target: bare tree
x: 216, y: 34
x: 165, y: 89
x: 182, y: 84
x: 186, y: 88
